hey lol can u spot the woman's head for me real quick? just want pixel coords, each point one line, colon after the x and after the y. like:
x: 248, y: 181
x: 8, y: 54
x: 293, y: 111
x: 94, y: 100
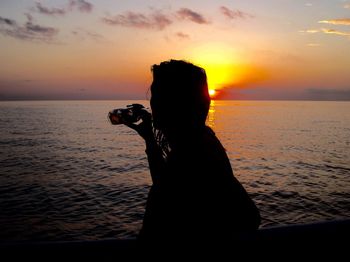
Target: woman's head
x: 179, y: 96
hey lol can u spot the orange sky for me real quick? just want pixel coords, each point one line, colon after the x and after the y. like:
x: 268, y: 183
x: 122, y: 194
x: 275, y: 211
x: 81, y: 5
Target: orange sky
x: 79, y: 49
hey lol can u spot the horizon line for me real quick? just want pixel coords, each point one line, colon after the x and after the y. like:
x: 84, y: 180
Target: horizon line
x: 132, y: 99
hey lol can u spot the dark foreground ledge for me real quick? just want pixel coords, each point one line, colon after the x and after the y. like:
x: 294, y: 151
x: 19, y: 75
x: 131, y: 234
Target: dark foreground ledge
x: 328, y: 238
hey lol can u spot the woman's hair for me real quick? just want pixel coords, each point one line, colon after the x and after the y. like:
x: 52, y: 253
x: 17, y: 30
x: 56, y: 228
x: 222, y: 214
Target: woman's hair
x: 179, y: 98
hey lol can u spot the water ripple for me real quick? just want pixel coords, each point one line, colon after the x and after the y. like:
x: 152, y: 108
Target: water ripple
x: 67, y: 174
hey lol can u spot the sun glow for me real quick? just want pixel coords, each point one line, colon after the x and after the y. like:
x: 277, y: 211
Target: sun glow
x: 212, y: 93
x: 220, y: 63
x: 219, y: 76
x: 225, y: 68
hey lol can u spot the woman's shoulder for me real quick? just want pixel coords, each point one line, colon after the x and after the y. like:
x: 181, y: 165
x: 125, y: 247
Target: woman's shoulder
x: 208, y: 146
x: 199, y: 144
x: 209, y: 139
x: 209, y: 130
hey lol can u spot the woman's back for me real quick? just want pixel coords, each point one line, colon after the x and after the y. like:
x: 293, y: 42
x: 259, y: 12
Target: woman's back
x: 198, y: 196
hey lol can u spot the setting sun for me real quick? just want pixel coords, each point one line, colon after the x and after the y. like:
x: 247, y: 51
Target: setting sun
x: 212, y: 93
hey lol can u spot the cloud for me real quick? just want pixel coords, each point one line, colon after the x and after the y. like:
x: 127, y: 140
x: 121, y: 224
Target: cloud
x: 335, y: 32
x: 81, y: 5
x: 326, y: 31
x: 347, y: 6
x: 182, y: 35
x: 6, y: 21
x: 234, y: 14
x: 48, y: 11
x: 83, y: 34
x: 28, y: 31
x: 313, y: 44
x: 155, y: 20
x: 344, y: 21
x: 188, y: 14
x: 310, y: 31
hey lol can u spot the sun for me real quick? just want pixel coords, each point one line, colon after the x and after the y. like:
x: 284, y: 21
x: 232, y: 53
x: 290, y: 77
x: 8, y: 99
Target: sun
x: 212, y: 93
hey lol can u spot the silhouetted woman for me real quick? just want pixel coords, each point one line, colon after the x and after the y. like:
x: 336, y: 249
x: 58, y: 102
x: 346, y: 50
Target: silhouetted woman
x: 194, y: 196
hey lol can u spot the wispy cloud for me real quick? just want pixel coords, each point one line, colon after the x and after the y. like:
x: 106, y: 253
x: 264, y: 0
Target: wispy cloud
x: 188, y: 14
x: 40, y: 8
x: 7, y: 21
x: 313, y: 45
x: 155, y: 20
x: 234, y: 14
x: 343, y: 21
x: 326, y: 31
x: 29, y: 31
x: 310, y: 31
x: 182, y: 35
x: 347, y: 6
x: 81, y: 5
x: 83, y: 34
x: 335, y: 32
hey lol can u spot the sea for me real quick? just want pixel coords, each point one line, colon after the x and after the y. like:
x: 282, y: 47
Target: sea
x: 66, y: 173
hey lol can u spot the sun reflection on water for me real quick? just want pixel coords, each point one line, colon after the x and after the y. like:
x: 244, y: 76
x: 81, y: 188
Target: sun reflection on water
x: 211, y: 115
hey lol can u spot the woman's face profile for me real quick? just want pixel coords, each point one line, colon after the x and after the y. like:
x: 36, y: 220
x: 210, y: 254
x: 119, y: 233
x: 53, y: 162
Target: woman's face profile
x: 162, y: 106
x: 155, y: 106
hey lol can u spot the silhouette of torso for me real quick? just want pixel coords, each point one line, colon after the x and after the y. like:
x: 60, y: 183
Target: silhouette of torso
x: 198, y: 197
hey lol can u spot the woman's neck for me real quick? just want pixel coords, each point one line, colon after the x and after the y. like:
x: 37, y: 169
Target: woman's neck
x: 179, y: 137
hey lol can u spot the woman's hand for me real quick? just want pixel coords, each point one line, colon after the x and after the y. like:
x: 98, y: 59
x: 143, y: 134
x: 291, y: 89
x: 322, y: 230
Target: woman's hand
x: 144, y: 129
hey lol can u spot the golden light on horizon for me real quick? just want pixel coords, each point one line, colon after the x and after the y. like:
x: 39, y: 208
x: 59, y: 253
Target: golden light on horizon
x: 212, y: 93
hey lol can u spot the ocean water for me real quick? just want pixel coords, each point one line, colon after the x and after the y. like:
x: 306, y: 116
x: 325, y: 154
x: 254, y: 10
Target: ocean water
x: 66, y: 173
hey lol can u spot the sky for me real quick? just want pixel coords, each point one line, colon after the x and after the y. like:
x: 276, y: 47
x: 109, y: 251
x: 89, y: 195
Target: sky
x: 250, y: 49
